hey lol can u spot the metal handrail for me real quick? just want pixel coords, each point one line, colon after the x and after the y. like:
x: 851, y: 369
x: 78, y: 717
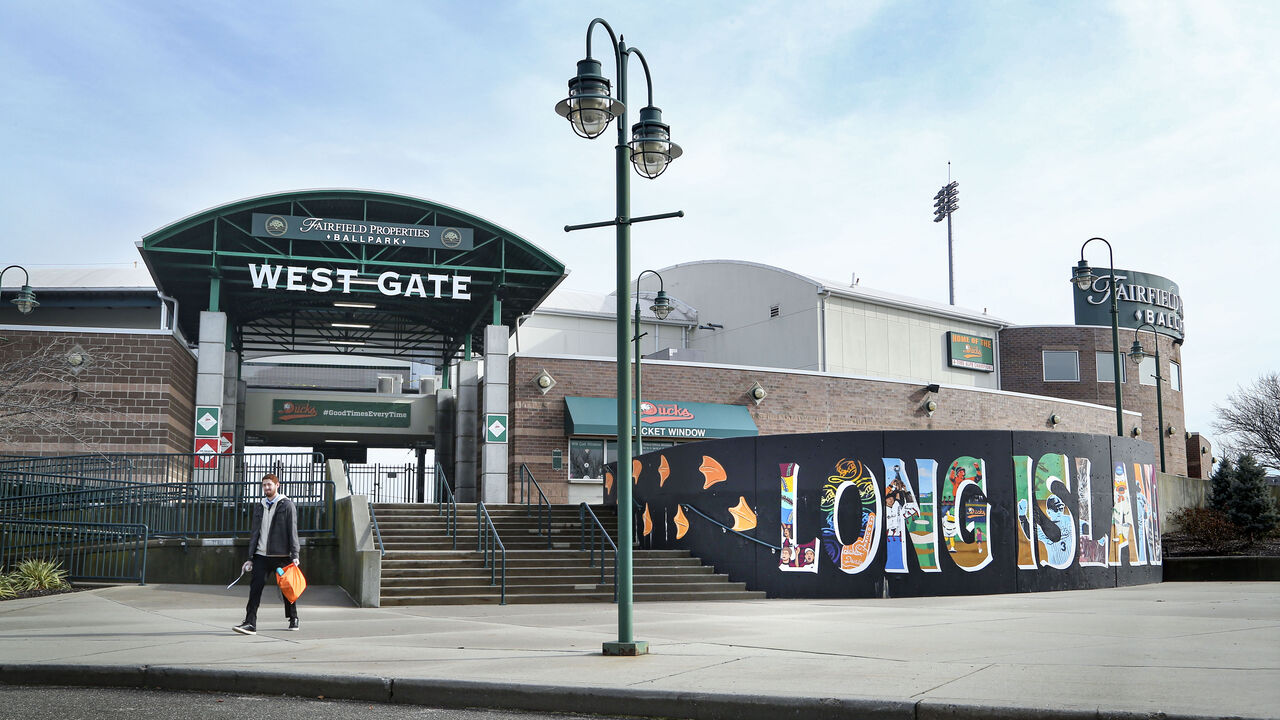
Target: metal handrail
x: 373, y: 517
x: 726, y: 528
x: 485, y: 531
x: 585, y: 510
x: 446, y: 505
x: 525, y: 472
x: 189, y: 508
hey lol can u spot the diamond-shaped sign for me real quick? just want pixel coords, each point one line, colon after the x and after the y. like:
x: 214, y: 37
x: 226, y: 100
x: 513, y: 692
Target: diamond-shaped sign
x: 206, y: 450
x: 495, y: 427
x: 208, y: 421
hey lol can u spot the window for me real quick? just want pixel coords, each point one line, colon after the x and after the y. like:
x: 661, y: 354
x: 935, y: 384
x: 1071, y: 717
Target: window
x: 586, y: 459
x: 1175, y: 376
x: 1107, y: 367
x: 1147, y: 371
x: 1061, y: 366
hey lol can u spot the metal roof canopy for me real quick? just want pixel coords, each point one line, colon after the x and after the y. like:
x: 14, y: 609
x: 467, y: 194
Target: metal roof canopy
x: 187, y: 256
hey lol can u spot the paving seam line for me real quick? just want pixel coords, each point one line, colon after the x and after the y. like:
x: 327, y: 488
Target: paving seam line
x: 539, y: 698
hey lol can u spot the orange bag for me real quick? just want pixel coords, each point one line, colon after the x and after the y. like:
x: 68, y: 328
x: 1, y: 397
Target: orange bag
x: 291, y: 582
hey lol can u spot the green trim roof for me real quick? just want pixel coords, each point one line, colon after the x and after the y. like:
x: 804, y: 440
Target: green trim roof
x: 186, y: 256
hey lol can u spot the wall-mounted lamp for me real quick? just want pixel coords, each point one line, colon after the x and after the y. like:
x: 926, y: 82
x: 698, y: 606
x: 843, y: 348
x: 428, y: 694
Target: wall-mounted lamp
x: 930, y: 407
x: 1204, y: 451
x: 1136, y: 431
x: 757, y: 392
x: 1054, y: 419
x: 933, y: 388
x: 543, y: 381
x: 77, y: 359
x: 1169, y: 431
x: 26, y: 300
x: 1187, y: 434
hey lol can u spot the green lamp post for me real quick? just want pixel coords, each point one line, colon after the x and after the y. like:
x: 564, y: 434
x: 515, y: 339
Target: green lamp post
x: 589, y: 109
x: 1138, y: 354
x: 661, y: 308
x: 1083, y: 277
x: 26, y: 300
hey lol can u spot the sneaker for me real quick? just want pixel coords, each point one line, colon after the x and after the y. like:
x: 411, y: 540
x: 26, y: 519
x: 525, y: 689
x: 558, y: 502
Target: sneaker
x: 293, y: 623
x: 246, y: 628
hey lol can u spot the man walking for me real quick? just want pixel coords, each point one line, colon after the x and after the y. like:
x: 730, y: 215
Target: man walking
x: 273, y: 543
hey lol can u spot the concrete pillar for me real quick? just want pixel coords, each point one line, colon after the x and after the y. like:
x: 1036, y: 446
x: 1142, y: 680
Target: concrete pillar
x: 231, y: 420
x: 446, y: 403
x: 211, y: 365
x: 466, y: 428
x: 493, y: 456
x: 211, y: 372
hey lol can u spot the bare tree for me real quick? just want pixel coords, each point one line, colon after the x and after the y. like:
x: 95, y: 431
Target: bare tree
x: 53, y: 388
x: 1251, y: 420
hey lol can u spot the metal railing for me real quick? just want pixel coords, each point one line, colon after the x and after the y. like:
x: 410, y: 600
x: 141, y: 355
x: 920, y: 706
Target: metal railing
x: 389, y: 483
x: 87, y: 551
x: 726, y: 528
x: 377, y: 533
x: 488, y: 544
x: 446, y: 505
x: 44, y: 475
x: 527, y: 479
x: 585, y: 511
x: 187, y: 509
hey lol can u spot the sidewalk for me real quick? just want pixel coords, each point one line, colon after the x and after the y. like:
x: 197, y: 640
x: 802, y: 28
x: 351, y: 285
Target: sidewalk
x: 1184, y: 649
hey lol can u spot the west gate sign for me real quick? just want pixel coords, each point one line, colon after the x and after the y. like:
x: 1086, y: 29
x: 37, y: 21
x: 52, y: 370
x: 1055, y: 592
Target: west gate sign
x: 359, y: 232
x: 323, y: 280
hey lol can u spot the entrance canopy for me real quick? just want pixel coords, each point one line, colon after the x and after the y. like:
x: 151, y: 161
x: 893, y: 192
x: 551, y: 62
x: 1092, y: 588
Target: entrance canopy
x: 349, y: 271
x: 658, y: 419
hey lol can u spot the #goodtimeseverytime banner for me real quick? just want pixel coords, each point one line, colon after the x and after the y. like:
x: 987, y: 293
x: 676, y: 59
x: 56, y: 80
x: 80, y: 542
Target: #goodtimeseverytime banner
x: 907, y: 513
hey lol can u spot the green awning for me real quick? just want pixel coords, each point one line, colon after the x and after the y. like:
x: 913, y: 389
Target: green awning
x: 660, y: 419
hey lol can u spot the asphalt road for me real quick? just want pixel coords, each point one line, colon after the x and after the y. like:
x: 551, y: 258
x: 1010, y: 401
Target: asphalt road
x: 69, y: 703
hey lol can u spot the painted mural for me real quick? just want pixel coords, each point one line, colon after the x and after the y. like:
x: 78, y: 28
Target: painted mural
x: 872, y: 514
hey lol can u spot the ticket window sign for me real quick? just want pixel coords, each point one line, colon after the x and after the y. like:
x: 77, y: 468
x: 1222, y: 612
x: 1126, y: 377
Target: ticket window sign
x: 971, y: 352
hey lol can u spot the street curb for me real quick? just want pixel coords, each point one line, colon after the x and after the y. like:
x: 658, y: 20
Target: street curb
x: 646, y: 703
x: 542, y: 698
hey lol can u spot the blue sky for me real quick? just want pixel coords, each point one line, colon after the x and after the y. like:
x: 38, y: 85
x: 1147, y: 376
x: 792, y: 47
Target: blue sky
x: 815, y: 136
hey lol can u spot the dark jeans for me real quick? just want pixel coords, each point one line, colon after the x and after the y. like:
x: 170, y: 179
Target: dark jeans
x: 262, y: 567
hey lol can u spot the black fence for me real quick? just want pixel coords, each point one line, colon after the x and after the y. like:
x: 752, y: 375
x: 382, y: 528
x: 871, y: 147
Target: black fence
x: 86, y: 551
x: 391, y: 483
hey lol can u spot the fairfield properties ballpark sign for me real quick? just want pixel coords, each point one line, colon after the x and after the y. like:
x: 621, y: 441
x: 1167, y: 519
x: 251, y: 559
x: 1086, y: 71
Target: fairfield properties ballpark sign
x: 325, y: 279
x: 362, y: 232
x: 1143, y: 298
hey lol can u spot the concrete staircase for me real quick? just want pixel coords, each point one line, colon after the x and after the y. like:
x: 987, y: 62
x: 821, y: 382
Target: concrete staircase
x: 421, y: 566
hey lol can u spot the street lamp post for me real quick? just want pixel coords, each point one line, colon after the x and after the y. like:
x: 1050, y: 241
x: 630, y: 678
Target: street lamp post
x: 1138, y: 354
x: 26, y: 300
x: 589, y: 108
x: 1083, y: 277
x: 661, y: 308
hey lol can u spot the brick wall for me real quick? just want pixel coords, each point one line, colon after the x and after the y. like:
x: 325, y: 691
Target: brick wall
x: 1022, y: 370
x: 143, y: 383
x: 797, y: 402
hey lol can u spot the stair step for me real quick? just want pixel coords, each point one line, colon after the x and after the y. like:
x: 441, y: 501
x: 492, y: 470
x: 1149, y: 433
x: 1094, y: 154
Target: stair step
x: 494, y: 597
x: 424, y: 565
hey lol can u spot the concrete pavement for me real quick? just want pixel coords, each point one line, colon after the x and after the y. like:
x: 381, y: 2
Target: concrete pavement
x: 1181, y: 649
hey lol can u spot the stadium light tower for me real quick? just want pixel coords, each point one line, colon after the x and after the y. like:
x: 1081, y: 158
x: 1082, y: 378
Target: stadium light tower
x: 945, y: 203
